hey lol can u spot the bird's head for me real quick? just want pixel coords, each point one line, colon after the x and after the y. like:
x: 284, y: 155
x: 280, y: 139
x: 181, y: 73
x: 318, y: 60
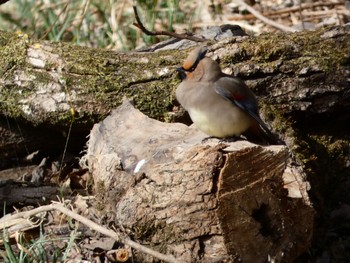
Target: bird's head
x: 197, y: 67
x: 191, y: 62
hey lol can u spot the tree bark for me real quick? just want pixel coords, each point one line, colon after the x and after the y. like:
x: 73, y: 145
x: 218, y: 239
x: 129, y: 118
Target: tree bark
x: 301, y: 76
x: 24, y: 194
x: 41, y: 81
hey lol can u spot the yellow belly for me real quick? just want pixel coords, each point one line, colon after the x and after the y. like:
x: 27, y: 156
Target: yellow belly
x: 232, y: 122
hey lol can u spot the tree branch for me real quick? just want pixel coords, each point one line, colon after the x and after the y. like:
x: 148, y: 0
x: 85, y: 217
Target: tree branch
x: 265, y: 19
x: 285, y: 10
x: 163, y: 33
x: 92, y: 225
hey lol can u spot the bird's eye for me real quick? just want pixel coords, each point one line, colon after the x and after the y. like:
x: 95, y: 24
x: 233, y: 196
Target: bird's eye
x: 191, y: 69
x: 182, y: 73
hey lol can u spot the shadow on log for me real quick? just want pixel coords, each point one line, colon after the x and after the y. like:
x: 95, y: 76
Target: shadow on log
x: 200, y: 201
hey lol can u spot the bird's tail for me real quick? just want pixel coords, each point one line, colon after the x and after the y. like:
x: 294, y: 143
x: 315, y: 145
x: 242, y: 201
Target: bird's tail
x: 261, y: 134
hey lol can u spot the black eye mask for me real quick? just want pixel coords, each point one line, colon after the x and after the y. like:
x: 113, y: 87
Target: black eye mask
x: 182, y: 72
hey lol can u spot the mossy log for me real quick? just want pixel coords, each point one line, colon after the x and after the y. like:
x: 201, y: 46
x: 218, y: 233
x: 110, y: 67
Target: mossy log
x: 46, y: 83
x: 301, y: 76
x: 41, y: 81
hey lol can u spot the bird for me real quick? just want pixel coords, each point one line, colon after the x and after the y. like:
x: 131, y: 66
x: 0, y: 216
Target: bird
x: 220, y: 105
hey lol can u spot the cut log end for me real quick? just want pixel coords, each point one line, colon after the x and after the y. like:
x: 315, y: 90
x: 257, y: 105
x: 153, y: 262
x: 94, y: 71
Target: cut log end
x: 258, y: 218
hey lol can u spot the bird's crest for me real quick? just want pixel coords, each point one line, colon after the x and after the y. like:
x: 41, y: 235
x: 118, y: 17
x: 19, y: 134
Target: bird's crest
x: 194, y: 58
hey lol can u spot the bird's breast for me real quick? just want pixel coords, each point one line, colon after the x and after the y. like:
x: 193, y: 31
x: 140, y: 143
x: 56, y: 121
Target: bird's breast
x: 221, y: 124
x: 210, y: 112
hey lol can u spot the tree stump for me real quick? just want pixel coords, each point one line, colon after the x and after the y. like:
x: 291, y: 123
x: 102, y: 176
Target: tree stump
x: 202, y: 201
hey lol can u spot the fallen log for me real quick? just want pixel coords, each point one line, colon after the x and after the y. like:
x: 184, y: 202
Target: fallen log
x: 24, y: 194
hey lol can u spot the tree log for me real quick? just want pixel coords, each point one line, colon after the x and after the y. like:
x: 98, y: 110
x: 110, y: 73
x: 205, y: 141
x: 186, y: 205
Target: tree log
x: 201, y: 201
x: 42, y: 81
x: 24, y: 194
x: 301, y: 76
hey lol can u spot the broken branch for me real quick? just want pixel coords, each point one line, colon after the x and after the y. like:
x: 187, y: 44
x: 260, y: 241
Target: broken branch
x: 265, y: 19
x: 163, y: 33
x: 92, y: 225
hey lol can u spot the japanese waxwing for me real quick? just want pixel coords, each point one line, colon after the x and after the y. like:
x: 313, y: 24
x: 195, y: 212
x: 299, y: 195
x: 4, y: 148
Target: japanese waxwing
x: 220, y: 105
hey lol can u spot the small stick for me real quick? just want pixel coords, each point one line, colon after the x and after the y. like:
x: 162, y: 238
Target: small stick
x: 265, y: 19
x: 54, y: 23
x: 163, y: 33
x: 94, y: 226
x: 284, y: 11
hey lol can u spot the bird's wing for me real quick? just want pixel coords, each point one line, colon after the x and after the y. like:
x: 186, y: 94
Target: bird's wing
x: 242, y: 98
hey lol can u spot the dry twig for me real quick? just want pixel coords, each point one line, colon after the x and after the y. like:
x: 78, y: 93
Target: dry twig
x: 285, y: 11
x: 54, y: 23
x: 59, y: 207
x: 163, y: 33
x: 3, y: 1
x: 265, y: 19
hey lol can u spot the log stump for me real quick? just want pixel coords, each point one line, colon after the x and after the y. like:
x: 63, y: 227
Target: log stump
x: 200, y: 200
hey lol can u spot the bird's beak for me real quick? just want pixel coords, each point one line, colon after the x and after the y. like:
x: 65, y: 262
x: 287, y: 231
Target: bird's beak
x: 182, y: 72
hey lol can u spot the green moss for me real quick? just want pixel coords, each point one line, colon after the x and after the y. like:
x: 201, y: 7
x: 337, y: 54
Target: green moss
x: 325, y: 158
x: 105, y: 77
x: 12, y: 56
x: 302, y: 49
x: 335, y: 149
x: 12, y: 51
x: 148, y: 229
x: 156, y: 99
x: 100, y: 191
x: 273, y: 115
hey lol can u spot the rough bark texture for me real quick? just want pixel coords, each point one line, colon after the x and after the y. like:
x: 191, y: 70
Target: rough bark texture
x: 301, y: 76
x: 42, y: 81
x: 259, y: 219
x: 23, y: 194
x: 201, y: 201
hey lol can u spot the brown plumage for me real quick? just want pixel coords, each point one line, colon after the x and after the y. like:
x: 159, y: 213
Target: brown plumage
x: 219, y: 104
